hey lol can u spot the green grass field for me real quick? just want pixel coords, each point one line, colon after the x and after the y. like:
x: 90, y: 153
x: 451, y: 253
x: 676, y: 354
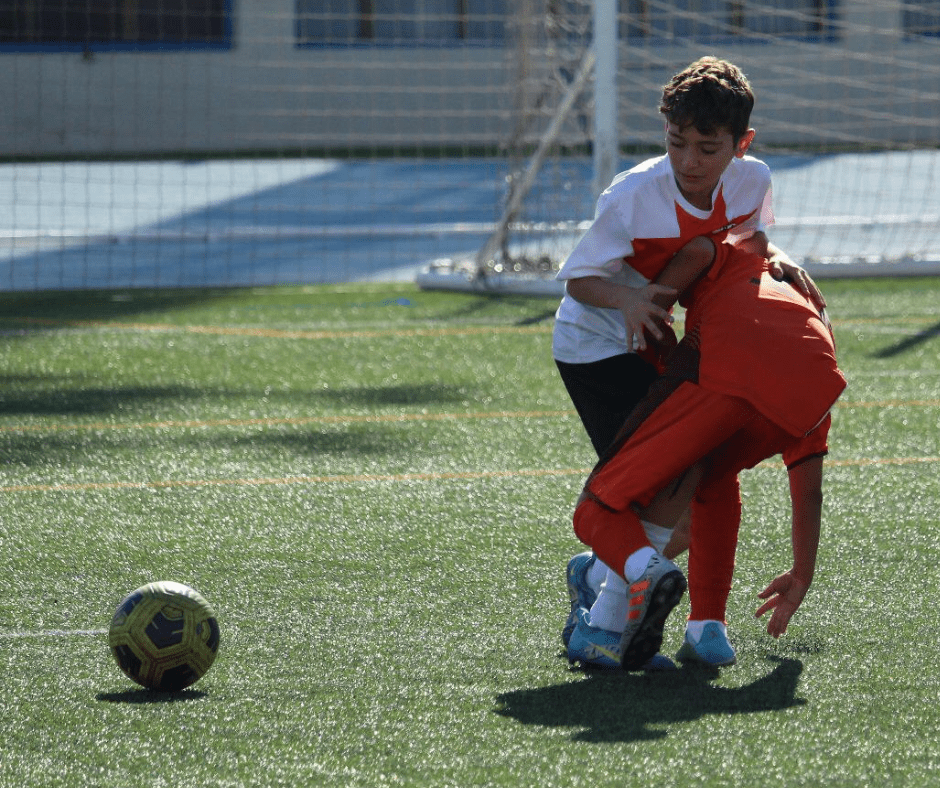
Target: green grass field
x: 373, y: 486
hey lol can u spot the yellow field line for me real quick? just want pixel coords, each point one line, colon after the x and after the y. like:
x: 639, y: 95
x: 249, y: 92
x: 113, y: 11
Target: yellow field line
x: 351, y: 478
x: 864, y: 462
x: 280, y: 333
x: 891, y: 403
x: 358, y: 478
x: 375, y: 418
x: 865, y: 321
x: 277, y: 333
x: 53, y: 633
x: 294, y: 421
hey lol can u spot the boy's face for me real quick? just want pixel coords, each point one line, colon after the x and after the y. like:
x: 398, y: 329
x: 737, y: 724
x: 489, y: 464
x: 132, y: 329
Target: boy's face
x: 698, y: 160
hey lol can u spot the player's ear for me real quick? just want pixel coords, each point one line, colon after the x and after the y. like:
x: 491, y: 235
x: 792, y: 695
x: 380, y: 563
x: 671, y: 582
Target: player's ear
x: 744, y: 143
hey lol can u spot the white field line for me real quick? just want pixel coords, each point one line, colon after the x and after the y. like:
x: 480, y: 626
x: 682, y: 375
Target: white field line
x: 52, y: 633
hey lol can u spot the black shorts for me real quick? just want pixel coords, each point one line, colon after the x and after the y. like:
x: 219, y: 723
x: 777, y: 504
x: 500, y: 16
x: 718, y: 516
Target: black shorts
x: 604, y: 392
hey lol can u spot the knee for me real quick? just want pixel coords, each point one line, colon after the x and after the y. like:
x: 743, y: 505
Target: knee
x: 582, y: 519
x: 589, y: 514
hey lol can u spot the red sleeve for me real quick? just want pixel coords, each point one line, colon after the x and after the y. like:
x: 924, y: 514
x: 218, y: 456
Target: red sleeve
x: 814, y: 444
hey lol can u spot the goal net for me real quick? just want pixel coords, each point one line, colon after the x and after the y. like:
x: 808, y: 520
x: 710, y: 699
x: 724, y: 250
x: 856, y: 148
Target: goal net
x: 847, y: 116
x: 463, y: 142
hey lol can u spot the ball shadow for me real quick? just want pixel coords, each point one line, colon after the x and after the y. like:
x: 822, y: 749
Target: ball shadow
x: 143, y: 695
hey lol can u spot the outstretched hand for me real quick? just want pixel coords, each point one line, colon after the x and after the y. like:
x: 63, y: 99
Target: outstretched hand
x: 784, y: 596
x: 641, y: 313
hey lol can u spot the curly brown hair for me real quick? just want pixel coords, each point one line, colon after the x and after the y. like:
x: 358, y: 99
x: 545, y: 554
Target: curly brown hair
x: 710, y: 94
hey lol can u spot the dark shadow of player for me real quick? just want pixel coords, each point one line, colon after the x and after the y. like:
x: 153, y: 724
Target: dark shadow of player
x: 909, y: 343
x: 614, y: 706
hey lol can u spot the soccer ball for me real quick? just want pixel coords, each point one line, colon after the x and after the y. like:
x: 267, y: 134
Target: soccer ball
x: 164, y: 636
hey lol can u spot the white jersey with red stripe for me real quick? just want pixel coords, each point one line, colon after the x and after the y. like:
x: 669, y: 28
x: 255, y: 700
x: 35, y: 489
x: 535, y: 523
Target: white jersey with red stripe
x: 641, y: 221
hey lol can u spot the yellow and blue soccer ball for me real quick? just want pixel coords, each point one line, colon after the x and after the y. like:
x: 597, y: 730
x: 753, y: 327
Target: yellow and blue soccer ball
x: 164, y: 636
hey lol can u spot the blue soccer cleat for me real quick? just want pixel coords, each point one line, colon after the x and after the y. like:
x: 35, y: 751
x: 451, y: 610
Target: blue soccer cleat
x: 592, y: 645
x: 582, y: 595
x: 601, y: 648
x: 712, y: 648
x: 650, y: 600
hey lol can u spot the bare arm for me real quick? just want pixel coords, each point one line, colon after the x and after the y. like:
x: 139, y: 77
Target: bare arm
x: 684, y: 269
x: 785, y: 593
x: 639, y: 306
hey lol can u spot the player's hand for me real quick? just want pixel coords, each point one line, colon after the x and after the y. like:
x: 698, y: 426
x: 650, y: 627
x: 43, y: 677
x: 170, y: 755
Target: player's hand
x: 641, y: 314
x: 784, y: 595
x: 663, y: 347
x: 786, y: 270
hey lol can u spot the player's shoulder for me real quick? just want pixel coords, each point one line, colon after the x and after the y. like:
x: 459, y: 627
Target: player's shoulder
x: 745, y: 183
x: 638, y: 178
x: 653, y: 169
x: 748, y: 168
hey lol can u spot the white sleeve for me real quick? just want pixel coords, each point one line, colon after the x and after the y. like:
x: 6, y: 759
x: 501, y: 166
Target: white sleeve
x: 601, y: 250
x: 767, y: 209
x: 761, y: 219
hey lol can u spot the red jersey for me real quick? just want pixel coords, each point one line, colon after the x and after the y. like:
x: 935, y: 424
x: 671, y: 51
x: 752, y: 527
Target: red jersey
x: 762, y: 341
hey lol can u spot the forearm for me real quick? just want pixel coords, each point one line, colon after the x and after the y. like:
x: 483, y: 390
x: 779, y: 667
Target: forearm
x: 785, y: 593
x: 684, y: 269
x: 600, y: 292
x: 805, y: 537
x: 807, y: 500
x: 639, y: 307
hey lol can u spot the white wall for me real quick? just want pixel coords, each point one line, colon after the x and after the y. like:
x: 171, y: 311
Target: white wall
x: 262, y: 93
x: 265, y: 93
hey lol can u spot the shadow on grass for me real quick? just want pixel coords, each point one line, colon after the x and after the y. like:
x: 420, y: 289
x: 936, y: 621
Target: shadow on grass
x: 351, y: 441
x: 33, y: 309
x: 534, y: 320
x: 145, y: 696
x: 482, y: 304
x: 89, y: 401
x: 612, y: 706
x: 138, y: 404
x: 60, y: 396
x: 909, y: 343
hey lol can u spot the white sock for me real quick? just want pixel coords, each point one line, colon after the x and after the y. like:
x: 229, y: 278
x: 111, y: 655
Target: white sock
x: 596, y: 575
x: 659, y: 537
x: 635, y: 566
x: 610, y: 610
x: 694, y: 629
